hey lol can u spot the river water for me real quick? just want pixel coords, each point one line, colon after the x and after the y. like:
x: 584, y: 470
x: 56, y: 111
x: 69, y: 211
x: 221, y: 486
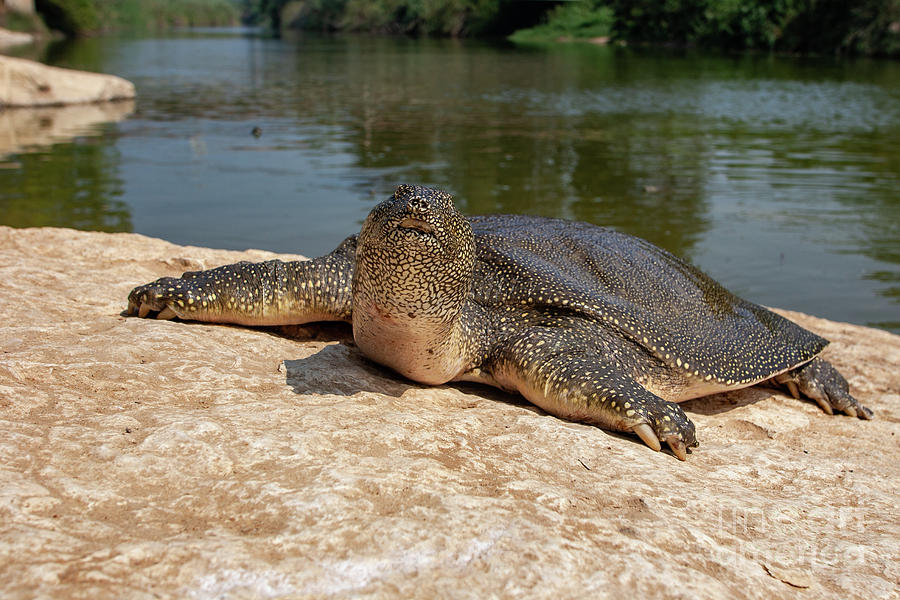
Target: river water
x: 777, y: 175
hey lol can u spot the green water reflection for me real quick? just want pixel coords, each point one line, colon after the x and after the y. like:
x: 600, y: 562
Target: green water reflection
x: 777, y: 175
x: 88, y: 195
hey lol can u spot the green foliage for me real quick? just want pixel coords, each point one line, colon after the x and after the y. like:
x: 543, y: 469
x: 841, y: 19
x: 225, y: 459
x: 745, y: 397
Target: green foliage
x: 161, y: 14
x: 16, y: 21
x: 435, y: 17
x: 78, y: 17
x: 869, y: 27
x: 268, y: 12
x: 70, y: 16
x: 872, y: 27
x: 801, y: 26
x: 321, y: 15
x: 577, y: 20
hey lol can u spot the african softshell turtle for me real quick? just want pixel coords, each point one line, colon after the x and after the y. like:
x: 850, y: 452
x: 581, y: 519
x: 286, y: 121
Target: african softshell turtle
x: 588, y: 323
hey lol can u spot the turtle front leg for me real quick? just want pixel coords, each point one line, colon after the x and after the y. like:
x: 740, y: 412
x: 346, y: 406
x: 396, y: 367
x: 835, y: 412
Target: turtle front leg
x: 584, y: 386
x: 821, y: 382
x: 245, y: 293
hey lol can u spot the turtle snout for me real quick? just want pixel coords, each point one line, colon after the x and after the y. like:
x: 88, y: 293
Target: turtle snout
x: 418, y: 206
x: 418, y: 213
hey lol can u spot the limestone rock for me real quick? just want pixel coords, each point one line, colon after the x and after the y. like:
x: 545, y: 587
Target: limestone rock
x: 28, y: 83
x: 149, y: 459
x: 14, y: 38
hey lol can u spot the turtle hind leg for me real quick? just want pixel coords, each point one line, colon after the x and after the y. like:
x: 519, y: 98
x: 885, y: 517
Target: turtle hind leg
x: 821, y: 382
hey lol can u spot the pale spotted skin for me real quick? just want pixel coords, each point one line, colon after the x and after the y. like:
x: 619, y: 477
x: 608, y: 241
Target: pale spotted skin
x: 267, y: 293
x: 588, y: 323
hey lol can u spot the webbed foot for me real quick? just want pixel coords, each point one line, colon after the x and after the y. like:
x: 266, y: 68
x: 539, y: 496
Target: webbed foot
x: 821, y: 382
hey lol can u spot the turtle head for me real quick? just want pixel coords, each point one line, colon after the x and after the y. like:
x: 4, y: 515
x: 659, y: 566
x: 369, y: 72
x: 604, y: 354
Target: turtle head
x: 420, y: 221
x: 415, y: 255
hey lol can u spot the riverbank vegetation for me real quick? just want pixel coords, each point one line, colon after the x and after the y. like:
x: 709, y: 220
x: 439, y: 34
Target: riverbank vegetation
x: 867, y: 27
x: 570, y: 21
x: 413, y: 17
x: 794, y: 26
x: 83, y: 17
x: 851, y: 27
x: 15, y: 21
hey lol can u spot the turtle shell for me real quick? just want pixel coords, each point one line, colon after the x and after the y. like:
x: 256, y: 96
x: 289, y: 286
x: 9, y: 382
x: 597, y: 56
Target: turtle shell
x: 643, y: 293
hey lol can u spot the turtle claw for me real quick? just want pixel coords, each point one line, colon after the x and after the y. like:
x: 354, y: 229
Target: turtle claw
x: 645, y: 432
x: 823, y: 404
x: 678, y: 448
x: 166, y: 314
x: 821, y: 382
x: 795, y: 391
x: 153, y: 300
x: 665, y: 422
x: 676, y: 444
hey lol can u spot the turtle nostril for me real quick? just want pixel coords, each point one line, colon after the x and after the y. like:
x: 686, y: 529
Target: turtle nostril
x: 418, y: 205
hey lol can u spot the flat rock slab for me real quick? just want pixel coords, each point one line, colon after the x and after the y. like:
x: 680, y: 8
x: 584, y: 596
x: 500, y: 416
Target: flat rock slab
x: 14, y: 38
x: 148, y: 459
x: 29, y: 83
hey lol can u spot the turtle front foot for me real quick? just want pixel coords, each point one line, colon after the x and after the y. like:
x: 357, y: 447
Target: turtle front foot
x: 821, y: 382
x: 665, y: 422
x: 156, y: 299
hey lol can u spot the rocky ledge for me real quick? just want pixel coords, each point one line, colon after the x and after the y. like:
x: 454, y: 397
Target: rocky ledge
x: 148, y: 459
x: 14, y: 38
x: 28, y: 83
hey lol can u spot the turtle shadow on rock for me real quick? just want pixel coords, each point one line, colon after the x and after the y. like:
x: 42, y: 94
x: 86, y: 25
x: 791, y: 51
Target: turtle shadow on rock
x: 322, y: 331
x: 724, y: 402
x: 343, y: 370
